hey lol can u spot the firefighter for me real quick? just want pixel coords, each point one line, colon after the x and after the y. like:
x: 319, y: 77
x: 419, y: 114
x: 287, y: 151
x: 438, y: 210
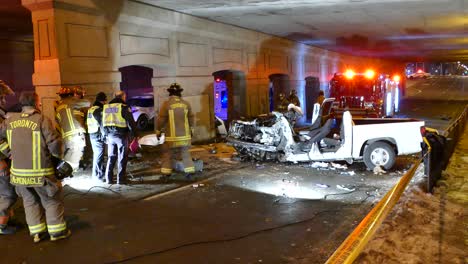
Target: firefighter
x: 293, y: 99
x: 71, y: 123
x: 176, y: 121
x: 119, y: 127
x: 95, y: 131
x: 282, y: 103
x: 33, y: 141
x: 7, y: 191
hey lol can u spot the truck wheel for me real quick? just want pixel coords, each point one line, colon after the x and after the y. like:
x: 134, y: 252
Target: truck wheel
x: 379, y: 154
x: 142, y: 122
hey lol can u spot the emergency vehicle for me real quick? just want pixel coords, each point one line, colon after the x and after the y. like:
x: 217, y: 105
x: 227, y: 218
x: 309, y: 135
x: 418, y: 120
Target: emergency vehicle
x: 366, y: 94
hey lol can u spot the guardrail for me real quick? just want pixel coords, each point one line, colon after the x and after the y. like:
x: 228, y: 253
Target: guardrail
x: 435, y: 158
x: 357, y: 240
x: 442, y: 146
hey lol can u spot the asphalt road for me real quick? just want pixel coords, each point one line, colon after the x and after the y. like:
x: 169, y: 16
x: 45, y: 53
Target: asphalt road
x: 247, y: 213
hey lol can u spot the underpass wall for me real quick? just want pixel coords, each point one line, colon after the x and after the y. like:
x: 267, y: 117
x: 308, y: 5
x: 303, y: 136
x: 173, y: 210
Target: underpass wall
x: 85, y: 42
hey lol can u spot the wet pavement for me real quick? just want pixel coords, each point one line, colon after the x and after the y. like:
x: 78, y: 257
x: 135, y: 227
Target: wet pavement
x: 234, y: 212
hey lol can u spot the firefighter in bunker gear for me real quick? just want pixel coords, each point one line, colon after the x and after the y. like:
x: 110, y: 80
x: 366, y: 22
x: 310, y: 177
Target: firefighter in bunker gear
x: 33, y: 141
x: 7, y: 191
x: 176, y: 121
x: 70, y: 121
x: 119, y: 127
x: 95, y: 131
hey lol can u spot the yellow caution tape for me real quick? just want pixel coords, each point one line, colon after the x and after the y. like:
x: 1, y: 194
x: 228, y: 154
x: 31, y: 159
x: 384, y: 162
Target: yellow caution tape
x: 357, y: 240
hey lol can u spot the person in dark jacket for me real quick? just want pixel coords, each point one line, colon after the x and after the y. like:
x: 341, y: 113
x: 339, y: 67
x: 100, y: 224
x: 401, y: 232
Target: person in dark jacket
x: 119, y: 127
x: 8, y: 195
x: 96, y: 135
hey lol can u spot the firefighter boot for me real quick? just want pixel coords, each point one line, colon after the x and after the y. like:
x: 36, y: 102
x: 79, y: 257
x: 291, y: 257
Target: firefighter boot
x: 40, y: 236
x: 61, y: 235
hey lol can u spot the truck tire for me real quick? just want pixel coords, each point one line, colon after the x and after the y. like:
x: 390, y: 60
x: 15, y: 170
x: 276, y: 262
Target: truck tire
x: 379, y: 154
x: 142, y: 122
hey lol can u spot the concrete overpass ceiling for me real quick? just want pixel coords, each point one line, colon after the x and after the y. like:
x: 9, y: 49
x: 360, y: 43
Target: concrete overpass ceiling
x: 405, y: 29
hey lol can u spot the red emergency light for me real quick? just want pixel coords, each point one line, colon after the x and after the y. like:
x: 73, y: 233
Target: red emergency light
x: 420, y: 71
x: 217, y: 80
x: 349, y: 74
x: 369, y: 74
x: 396, y: 78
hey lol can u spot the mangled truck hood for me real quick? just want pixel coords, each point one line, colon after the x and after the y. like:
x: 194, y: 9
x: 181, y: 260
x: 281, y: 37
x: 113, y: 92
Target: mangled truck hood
x: 267, y: 133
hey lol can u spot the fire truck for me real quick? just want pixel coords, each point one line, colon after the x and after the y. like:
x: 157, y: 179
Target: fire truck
x: 366, y: 94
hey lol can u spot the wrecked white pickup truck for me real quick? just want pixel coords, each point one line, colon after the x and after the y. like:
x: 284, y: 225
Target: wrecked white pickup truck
x: 375, y: 141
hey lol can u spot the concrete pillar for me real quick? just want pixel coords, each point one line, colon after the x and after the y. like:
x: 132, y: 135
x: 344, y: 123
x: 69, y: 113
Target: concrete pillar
x: 71, y: 47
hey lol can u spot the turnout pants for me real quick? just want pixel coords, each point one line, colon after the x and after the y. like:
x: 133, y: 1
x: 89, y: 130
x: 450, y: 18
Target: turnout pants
x: 74, y: 148
x: 43, y: 207
x: 171, y: 154
x: 117, y: 152
x: 7, y: 199
x: 98, y: 145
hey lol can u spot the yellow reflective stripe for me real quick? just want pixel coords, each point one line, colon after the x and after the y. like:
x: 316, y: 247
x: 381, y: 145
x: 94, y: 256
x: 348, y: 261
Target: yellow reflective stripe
x: 9, y: 137
x: 187, y: 129
x: 166, y: 170
x: 57, y: 228
x: 178, y: 105
x: 4, y: 146
x: 172, y: 131
x: 178, y: 138
x: 78, y: 113
x: 34, y: 146
x: 37, y: 228
x: 32, y: 172
x: 38, y: 149
x: 70, y: 119
x: 189, y: 169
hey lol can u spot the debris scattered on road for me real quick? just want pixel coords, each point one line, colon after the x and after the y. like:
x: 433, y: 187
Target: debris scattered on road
x: 348, y: 188
x: 378, y: 170
x: 339, y: 166
x: 350, y: 173
x: 259, y: 166
x: 286, y: 172
x: 318, y: 164
x: 322, y: 185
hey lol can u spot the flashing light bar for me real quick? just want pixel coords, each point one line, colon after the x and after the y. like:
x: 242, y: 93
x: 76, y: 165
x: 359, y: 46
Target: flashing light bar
x: 349, y: 74
x: 369, y: 74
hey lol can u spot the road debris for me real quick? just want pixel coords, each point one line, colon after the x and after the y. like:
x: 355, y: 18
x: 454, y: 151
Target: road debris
x: 322, y: 185
x: 350, y: 173
x: 338, y: 166
x: 378, y: 170
x: 348, y: 188
x: 319, y: 165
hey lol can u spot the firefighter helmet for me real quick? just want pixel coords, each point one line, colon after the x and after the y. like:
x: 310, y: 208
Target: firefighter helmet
x: 175, y: 88
x: 5, y: 89
x: 65, y: 91
x: 78, y: 90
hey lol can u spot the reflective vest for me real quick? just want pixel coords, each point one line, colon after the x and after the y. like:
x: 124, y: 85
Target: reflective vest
x: 70, y: 120
x: 29, y: 151
x: 91, y: 122
x: 112, y: 116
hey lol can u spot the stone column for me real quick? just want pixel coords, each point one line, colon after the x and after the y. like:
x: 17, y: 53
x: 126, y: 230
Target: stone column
x: 74, y: 44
